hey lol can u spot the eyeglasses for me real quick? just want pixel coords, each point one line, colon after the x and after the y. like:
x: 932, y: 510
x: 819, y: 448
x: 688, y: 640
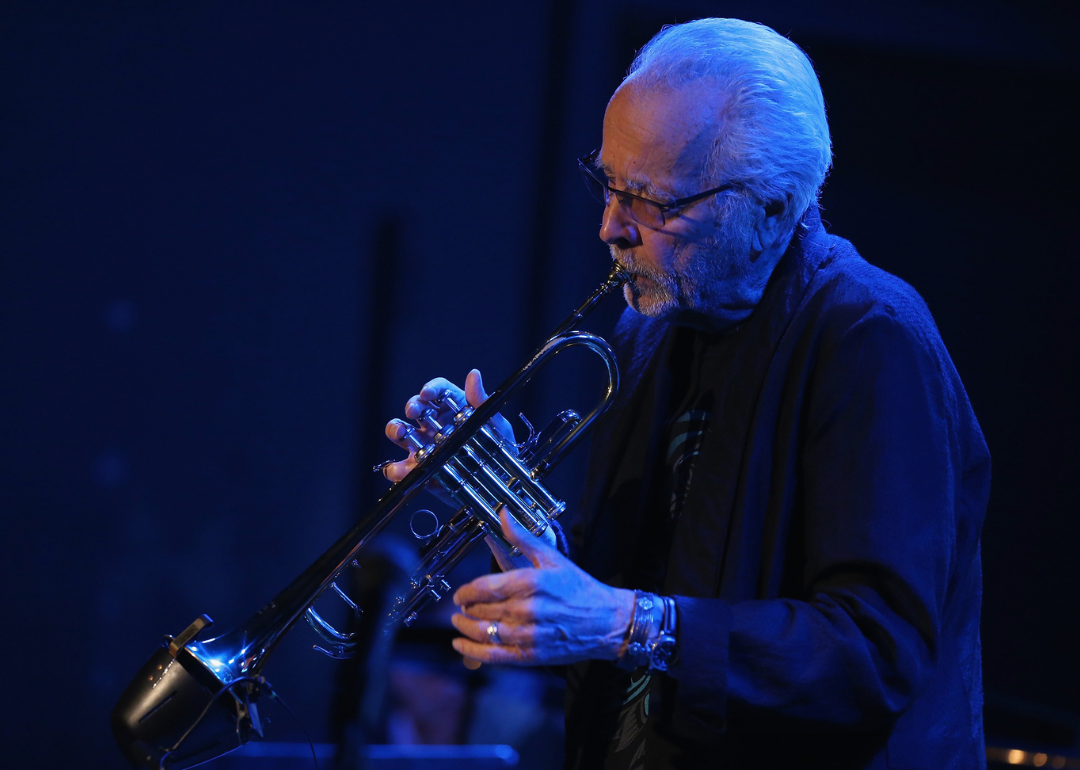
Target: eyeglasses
x: 650, y: 213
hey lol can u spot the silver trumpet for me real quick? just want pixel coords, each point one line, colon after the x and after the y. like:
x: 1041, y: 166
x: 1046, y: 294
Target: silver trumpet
x: 194, y: 700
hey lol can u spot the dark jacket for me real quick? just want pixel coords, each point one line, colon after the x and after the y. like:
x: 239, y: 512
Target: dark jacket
x: 826, y: 565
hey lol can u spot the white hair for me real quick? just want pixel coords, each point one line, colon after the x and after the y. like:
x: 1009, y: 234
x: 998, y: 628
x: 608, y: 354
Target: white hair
x: 773, y: 135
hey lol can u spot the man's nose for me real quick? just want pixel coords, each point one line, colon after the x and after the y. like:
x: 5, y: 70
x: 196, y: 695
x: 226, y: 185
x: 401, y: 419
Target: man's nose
x: 616, y: 227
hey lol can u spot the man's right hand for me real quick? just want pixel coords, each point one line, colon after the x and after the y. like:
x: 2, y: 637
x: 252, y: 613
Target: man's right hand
x: 396, y: 430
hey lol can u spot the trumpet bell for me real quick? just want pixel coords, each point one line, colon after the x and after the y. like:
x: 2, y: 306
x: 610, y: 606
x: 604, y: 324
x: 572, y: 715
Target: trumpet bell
x: 177, y: 714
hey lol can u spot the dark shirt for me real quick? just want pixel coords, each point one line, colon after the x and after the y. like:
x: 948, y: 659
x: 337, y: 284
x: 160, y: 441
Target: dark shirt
x: 825, y: 560
x: 695, y: 363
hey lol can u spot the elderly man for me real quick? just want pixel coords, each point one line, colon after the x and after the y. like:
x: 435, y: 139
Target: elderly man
x: 779, y: 543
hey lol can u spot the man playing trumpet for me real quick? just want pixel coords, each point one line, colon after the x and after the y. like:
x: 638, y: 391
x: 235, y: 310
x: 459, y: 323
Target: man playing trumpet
x: 776, y: 562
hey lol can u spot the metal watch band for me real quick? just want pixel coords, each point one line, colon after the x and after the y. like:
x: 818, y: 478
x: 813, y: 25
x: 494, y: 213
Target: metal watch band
x: 664, y: 650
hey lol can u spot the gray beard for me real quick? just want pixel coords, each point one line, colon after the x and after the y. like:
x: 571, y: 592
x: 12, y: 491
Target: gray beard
x: 705, y: 283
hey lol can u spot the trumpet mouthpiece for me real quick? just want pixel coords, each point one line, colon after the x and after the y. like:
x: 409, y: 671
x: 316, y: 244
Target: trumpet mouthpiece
x: 620, y: 274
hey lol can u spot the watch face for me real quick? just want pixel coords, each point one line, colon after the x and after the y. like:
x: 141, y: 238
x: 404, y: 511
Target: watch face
x: 663, y: 650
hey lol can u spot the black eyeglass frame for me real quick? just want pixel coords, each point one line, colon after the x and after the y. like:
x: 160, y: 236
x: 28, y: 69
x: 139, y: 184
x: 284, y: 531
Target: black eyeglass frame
x: 587, y: 162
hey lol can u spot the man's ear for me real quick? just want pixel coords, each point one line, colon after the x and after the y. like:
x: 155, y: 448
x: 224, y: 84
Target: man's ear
x: 771, y: 224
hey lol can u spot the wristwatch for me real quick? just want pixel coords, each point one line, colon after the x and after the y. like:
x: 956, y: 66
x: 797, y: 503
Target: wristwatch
x: 662, y: 652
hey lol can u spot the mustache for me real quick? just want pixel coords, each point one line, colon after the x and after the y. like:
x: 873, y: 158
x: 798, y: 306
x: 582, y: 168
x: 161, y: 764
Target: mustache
x: 627, y: 260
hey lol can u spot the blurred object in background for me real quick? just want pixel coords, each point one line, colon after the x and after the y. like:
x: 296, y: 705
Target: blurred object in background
x: 1021, y: 732
x: 998, y: 758
x: 298, y: 756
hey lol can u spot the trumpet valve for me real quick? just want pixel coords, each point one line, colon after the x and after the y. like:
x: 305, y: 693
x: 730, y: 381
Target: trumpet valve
x: 447, y: 400
x: 462, y: 415
x: 427, y: 420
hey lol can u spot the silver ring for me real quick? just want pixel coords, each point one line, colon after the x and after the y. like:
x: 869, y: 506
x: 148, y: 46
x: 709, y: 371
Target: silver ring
x: 493, y: 633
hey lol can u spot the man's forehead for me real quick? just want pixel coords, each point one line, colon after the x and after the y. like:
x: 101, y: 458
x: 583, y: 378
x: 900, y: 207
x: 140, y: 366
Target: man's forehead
x: 659, y: 134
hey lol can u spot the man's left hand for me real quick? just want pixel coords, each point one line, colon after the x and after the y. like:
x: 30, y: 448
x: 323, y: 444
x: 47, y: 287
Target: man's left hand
x: 552, y: 612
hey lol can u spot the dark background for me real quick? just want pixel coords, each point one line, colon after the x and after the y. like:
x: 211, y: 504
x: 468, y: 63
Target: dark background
x: 234, y: 238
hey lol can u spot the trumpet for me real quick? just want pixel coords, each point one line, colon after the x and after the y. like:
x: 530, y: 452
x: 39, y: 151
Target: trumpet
x: 195, y: 700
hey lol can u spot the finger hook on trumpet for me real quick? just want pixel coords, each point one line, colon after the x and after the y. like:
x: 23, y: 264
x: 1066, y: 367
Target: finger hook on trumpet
x: 424, y: 524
